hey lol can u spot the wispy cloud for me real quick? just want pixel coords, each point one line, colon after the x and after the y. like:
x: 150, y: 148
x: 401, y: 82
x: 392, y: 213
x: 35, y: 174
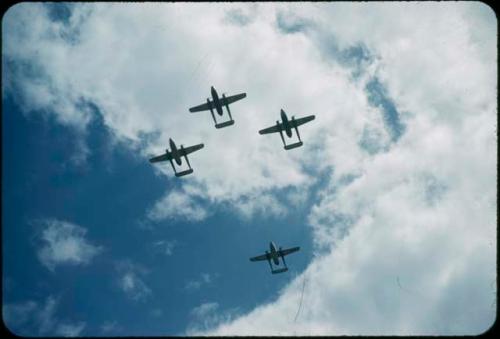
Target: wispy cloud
x: 204, y: 309
x: 15, y: 315
x: 32, y: 318
x: 196, y: 284
x: 394, y: 103
x: 130, y: 281
x: 70, y: 330
x: 64, y: 243
x: 165, y: 247
x: 208, y: 315
x: 134, y: 286
x: 177, y: 205
x: 45, y: 316
x: 260, y: 204
x: 109, y: 327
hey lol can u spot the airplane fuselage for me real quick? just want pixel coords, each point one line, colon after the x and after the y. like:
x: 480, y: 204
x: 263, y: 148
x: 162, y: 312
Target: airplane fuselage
x: 175, y: 152
x: 286, y: 124
x: 274, y: 253
x: 216, y: 101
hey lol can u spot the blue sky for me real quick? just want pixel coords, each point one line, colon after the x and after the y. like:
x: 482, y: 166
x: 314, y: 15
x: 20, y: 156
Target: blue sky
x: 397, y: 166
x: 109, y: 195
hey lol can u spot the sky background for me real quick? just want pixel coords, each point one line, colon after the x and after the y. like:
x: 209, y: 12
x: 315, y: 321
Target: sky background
x: 392, y: 197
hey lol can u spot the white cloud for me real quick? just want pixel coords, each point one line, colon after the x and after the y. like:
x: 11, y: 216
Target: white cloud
x: 177, y: 204
x: 32, y: 318
x: 136, y: 98
x: 65, y: 243
x: 208, y: 315
x: 297, y: 198
x: 410, y: 237
x: 130, y: 281
x: 412, y: 213
x: 259, y: 204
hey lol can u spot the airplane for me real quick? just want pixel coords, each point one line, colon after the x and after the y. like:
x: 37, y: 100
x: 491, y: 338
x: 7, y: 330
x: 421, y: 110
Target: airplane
x: 274, y: 255
x: 287, y: 125
x: 217, y: 103
x: 176, y: 154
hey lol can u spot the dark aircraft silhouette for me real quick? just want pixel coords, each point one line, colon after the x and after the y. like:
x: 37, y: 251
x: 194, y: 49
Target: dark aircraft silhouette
x: 177, y: 154
x: 217, y: 104
x: 287, y: 125
x: 274, y: 255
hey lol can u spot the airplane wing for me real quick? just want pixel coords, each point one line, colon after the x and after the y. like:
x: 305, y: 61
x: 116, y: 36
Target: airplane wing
x: 289, y: 250
x: 234, y: 98
x: 163, y: 157
x: 192, y: 149
x: 203, y: 107
x: 260, y: 257
x: 272, y: 129
x: 301, y: 121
